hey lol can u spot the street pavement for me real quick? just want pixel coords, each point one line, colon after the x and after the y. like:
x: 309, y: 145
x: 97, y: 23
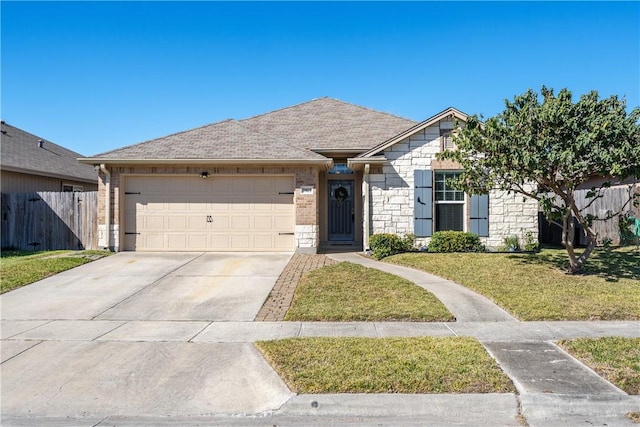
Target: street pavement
x: 167, y: 339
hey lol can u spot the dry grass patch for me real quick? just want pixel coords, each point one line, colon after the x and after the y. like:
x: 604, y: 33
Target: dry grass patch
x: 535, y: 286
x: 385, y: 365
x: 615, y: 358
x: 351, y: 292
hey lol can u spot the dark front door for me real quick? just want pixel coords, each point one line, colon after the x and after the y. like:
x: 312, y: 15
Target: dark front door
x: 341, y: 211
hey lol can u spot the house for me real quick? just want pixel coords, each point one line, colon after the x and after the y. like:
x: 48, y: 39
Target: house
x: 30, y: 163
x: 318, y: 174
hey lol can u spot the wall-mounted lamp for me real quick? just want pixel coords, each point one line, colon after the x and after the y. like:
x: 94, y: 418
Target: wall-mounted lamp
x: 204, y: 175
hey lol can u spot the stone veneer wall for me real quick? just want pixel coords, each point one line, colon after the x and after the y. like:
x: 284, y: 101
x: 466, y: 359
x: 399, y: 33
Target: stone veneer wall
x: 307, y: 210
x: 392, y: 193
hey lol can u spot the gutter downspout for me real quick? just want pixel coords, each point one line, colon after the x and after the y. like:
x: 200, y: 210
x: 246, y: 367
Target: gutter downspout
x: 367, y: 214
x: 107, y: 203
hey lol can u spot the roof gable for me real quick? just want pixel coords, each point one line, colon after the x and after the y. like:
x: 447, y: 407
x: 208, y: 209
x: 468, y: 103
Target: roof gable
x: 21, y: 152
x: 449, y: 112
x: 325, y: 123
x: 228, y: 140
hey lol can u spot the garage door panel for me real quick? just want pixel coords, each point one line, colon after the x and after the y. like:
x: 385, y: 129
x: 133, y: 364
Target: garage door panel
x: 153, y: 241
x: 177, y: 222
x: 197, y: 223
x: 283, y: 223
x: 240, y: 222
x: 263, y: 222
x: 155, y: 223
x: 282, y: 242
x: 219, y: 213
x: 240, y: 242
x: 221, y: 223
x: 177, y: 241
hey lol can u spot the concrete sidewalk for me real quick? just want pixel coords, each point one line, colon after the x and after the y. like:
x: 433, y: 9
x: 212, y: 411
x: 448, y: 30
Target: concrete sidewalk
x: 97, y: 370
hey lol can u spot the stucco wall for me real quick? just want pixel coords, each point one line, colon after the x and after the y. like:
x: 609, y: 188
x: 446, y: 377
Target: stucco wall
x: 392, y: 192
x: 306, y: 206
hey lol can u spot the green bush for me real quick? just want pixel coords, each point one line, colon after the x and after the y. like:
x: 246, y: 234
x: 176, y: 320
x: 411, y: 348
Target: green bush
x: 386, y: 244
x: 455, y: 241
x: 510, y: 244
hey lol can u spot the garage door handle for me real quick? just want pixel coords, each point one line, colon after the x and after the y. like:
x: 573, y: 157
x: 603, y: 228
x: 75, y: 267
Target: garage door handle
x: 286, y: 234
x: 209, y: 218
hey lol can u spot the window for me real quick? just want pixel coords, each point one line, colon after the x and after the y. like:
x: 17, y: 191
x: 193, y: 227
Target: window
x: 68, y: 188
x: 340, y: 169
x: 449, y: 203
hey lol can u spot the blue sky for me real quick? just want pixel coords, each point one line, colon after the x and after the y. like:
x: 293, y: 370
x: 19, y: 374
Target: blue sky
x: 94, y: 76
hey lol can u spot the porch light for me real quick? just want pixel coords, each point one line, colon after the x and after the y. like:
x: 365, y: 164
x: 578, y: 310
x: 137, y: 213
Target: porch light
x: 204, y: 175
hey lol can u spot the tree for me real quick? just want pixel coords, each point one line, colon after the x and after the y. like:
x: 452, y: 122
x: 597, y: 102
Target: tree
x: 545, y: 148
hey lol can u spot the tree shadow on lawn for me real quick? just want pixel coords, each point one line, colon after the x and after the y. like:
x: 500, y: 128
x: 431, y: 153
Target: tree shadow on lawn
x: 610, y: 265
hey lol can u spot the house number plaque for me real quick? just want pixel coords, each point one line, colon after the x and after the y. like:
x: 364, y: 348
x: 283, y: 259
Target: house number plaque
x: 306, y: 190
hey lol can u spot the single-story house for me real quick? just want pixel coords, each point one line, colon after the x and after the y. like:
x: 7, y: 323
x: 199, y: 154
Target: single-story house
x: 30, y: 163
x: 318, y: 174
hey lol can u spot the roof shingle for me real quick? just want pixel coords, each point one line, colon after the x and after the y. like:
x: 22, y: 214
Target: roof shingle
x: 21, y: 153
x: 289, y: 134
x: 327, y: 123
x: 226, y: 140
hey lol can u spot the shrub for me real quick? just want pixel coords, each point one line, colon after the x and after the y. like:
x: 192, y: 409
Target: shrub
x: 511, y: 244
x: 455, y: 241
x: 530, y: 242
x: 386, y: 244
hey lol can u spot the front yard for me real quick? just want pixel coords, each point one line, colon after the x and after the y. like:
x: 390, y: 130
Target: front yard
x: 535, y: 286
x: 19, y: 268
x: 347, y: 292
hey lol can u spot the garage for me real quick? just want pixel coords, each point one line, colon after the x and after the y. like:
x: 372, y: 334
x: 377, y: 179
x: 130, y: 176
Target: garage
x: 220, y: 213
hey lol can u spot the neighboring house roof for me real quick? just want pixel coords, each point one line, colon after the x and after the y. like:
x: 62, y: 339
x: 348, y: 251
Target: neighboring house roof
x: 228, y: 140
x: 21, y: 152
x: 291, y: 134
x: 447, y: 113
x: 326, y: 124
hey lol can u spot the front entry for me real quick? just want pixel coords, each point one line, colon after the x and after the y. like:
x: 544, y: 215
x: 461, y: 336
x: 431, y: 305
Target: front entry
x: 341, y: 211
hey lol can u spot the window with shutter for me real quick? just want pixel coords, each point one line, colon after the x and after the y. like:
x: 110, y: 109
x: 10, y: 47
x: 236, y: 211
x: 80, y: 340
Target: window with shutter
x: 449, y: 203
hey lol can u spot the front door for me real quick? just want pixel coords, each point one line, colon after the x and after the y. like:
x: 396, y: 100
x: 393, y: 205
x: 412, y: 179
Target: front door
x: 341, y: 211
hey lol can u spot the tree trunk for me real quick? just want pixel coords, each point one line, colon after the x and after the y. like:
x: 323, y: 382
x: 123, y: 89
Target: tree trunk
x: 568, y: 235
x: 576, y: 263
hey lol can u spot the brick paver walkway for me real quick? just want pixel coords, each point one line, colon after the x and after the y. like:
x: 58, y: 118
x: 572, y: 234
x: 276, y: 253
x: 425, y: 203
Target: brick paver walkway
x: 279, y: 300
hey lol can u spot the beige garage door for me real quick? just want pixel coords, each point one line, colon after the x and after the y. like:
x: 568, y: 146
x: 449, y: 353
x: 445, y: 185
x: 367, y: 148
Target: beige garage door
x: 163, y: 213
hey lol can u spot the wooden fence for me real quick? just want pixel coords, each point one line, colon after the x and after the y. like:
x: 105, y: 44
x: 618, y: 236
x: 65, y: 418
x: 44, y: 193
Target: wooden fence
x: 49, y: 221
x: 614, y: 198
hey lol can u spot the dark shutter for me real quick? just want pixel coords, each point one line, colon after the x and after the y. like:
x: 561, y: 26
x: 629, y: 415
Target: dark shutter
x: 479, y: 206
x: 423, y: 203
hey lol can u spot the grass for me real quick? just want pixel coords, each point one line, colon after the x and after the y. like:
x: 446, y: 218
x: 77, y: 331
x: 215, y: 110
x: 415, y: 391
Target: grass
x: 616, y: 359
x: 19, y: 268
x: 350, y: 292
x: 536, y: 287
x: 385, y: 365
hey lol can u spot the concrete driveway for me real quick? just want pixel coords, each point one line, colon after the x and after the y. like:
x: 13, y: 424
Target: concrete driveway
x: 116, y: 337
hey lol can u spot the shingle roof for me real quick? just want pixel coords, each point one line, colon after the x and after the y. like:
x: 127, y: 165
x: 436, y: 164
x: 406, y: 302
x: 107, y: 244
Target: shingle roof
x: 328, y: 123
x: 289, y: 134
x: 20, y: 152
x: 226, y: 140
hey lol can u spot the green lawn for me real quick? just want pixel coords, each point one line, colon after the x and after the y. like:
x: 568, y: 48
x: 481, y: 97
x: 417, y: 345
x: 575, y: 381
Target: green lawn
x: 19, y: 268
x: 385, y: 365
x: 351, y: 292
x: 535, y: 286
x: 616, y: 359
